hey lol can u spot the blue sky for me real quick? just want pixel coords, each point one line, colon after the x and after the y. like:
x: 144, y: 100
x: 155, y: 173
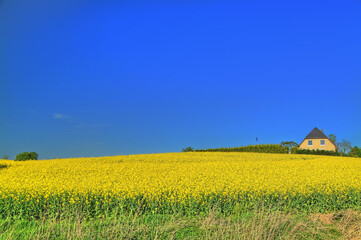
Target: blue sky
x: 98, y: 78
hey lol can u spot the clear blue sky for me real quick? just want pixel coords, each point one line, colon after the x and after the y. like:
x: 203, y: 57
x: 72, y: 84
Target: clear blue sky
x: 95, y: 78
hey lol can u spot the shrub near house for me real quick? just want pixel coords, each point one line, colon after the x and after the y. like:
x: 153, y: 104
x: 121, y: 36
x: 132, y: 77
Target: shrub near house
x: 296, y: 150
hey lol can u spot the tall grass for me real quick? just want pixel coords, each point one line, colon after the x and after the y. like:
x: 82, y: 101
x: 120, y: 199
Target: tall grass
x: 260, y: 224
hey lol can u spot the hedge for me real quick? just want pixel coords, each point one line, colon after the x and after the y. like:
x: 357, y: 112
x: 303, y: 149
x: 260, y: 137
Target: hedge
x: 296, y: 150
x: 271, y: 148
x: 262, y: 148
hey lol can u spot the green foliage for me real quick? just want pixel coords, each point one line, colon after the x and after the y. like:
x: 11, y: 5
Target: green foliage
x: 26, y: 156
x: 262, y: 148
x: 315, y: 152
x: 332, y: 138
x: 188, y: 149
x: 289, y: 144
x: 294, y: 150
x: 6, y: 157
x: 358, y: 151
x: 259, y: 223
x: 355, y: 152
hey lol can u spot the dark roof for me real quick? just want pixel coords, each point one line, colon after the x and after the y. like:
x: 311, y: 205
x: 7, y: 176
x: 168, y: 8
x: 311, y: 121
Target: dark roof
x: 316, y: 134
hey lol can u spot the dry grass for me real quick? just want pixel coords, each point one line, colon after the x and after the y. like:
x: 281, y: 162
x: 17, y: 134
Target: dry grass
x: 261, y: 225
x: 255, y: 225
x: 348, y: 223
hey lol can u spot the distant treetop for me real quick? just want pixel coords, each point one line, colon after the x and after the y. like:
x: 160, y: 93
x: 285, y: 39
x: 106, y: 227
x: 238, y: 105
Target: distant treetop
x: 27, y: 156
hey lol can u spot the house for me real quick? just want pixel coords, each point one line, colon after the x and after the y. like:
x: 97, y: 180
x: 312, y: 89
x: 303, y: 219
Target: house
x: 316, y: 139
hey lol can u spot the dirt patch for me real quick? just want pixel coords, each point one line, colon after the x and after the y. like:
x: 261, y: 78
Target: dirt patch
x: 326, y: 218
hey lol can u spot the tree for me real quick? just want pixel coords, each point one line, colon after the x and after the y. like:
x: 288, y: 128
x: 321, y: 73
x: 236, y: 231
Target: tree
x: 6, y: 157
x: 355, y: 152
x: 188, y: 149
x: 332, y: 138
x: 344, y: 147
x: 290, y: 145
x: 26, y: 156
x: 358, y: 151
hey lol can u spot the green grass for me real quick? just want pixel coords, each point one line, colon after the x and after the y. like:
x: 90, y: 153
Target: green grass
x: 261, y: 224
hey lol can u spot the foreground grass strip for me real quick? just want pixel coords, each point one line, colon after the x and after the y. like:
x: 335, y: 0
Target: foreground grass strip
x: 253, y: 225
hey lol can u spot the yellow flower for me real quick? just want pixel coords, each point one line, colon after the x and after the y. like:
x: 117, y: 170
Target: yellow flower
x: 179, y: 177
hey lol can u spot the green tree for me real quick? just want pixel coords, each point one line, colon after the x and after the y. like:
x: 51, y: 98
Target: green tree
x: 6, y: 157
x: 289, y: 145
x: 355, y: 152
x: 332, y: 138
x: 26, y: 156
x: 188, y: 149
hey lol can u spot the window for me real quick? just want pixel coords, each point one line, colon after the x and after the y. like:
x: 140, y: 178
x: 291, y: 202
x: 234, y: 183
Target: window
x: 310, y: 142
x: 322, y: 142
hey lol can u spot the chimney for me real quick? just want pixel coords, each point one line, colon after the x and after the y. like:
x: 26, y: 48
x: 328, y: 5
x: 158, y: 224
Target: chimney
x: 322, y: 130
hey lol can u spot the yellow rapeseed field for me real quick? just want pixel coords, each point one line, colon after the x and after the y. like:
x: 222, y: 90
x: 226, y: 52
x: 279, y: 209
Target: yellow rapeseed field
x: 177, y: 178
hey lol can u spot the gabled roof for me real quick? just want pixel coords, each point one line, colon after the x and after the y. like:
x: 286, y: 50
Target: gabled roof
x: 316, y: 134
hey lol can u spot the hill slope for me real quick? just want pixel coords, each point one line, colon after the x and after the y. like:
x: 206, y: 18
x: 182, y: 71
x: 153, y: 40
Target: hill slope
x: 186, y: 183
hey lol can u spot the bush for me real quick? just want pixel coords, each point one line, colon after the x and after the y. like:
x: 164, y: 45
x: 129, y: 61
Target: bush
x: 355, y: 152
x: 26, y: 156
x: 188, y: 149
x: 294, y: 150
x: 262, y: 148
x: 315, y: 152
